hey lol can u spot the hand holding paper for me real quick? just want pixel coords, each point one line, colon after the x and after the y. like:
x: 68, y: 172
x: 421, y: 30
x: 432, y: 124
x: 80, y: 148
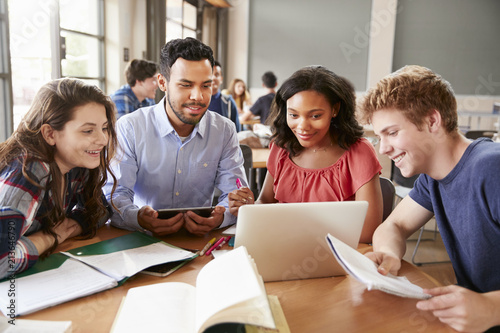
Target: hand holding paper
x: 365, y: 271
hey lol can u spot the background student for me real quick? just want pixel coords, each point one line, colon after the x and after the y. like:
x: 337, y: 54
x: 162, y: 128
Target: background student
x: 175, y: 153
x: 414, y: 112
x: 262, y: 105
x: 241, y: 96
x: 52, y: 170
x: 317, y: 153
x: 220, y: 103
x: 140, y: 90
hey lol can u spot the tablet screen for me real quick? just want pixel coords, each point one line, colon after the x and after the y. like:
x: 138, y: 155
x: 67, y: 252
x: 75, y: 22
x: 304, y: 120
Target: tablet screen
x: 169, y: 213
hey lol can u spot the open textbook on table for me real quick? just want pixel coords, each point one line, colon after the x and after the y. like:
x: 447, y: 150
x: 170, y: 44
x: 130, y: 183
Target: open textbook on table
x: 84, y: 271
x: 364, y: 270
x: 229, y: 290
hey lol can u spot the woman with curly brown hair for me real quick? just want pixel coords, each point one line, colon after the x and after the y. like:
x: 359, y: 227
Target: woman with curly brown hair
x: 317, y: 152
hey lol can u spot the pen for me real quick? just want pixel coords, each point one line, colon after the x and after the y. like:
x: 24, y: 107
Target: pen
x: 206, y: 247
x: 215, y: 246
x: 238, y: 183
x: 226, y: 239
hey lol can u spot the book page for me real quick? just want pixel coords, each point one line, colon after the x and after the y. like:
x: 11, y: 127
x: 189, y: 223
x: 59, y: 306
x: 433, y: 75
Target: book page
x: 229, y: 289
x: 279, y: 319
x: 162, y: 307
x: 69, y: 281
x: 365, y: 271
x: 34, y: 326
x: 126, y: 263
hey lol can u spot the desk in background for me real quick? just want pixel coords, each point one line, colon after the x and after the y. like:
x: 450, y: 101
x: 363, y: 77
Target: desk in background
x: 259, y: 162
x: 479, y: 116
x: 338, y: 304
x: 259, y: 157
x: 248, y: 124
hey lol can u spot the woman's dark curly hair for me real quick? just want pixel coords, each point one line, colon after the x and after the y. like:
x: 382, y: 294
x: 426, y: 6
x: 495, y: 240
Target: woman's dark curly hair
x: 344, y: 128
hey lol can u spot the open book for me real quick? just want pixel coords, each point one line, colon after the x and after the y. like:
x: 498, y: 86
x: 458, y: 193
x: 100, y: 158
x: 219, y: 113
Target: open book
x: 365, y: 271
x: 84, y: 271
x: 228, y: 290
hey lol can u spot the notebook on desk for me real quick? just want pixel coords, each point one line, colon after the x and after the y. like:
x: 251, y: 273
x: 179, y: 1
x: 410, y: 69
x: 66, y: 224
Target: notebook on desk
x: 287, y: 241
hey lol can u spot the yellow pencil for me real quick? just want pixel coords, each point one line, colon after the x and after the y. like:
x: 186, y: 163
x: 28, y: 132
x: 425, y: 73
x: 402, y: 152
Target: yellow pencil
x: 206, y: 247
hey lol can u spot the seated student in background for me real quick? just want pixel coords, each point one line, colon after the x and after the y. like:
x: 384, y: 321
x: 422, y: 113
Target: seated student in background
x: 317, y: 153
x: 262, y: 105
x: 223, y: 104
x: 241, y: 96
x: 52, y: 170
x: 175, y: 153
x: 414, y: 112
x: 140, y: 89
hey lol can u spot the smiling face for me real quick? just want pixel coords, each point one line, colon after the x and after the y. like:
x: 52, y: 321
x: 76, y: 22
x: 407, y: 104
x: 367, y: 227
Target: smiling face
x: 82, y: 139
x: 401, y: 140
x: 239, y: 88
x: 309, y: 115
x: 188, y: 93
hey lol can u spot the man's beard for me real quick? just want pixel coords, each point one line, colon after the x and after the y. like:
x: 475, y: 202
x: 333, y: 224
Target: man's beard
x: 182, y: 116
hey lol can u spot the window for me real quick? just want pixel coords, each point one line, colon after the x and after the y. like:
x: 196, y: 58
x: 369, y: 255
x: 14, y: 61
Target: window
x: 5, y: 78
x: 82, y: 40
x: 181, y: 19
x: 53, y: 39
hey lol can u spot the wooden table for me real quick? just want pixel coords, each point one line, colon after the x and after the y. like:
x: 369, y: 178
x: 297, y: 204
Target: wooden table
x: 259, y: 162
x: 339, y: 304
x: 259, y: 157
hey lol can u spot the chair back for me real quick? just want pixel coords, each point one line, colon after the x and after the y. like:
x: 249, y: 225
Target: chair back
x: 247, y: 159
x: 401, y: 180
x: 388, y: 195
x: 476, y: 134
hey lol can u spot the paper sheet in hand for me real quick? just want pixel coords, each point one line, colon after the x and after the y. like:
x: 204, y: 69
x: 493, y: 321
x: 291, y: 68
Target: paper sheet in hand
x: 365, y: 271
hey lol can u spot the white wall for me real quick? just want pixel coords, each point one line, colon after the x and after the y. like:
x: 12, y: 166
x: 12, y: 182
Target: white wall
x: 125, y: 28
x: 237, y: 60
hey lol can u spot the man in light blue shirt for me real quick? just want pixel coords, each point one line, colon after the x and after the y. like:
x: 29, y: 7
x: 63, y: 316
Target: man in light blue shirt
x: 175, y: 153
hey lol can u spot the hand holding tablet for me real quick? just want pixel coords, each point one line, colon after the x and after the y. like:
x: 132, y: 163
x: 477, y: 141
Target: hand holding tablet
x: 171, y: 212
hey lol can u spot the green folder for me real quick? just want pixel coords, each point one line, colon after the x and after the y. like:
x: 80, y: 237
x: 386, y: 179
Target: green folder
x: 125, y: 242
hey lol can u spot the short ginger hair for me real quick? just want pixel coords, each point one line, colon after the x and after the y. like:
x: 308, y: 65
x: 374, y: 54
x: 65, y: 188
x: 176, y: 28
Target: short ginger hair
x: 415, y: 91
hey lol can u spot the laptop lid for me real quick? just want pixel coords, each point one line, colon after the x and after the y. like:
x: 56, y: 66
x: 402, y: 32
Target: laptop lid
x: 287, y: 240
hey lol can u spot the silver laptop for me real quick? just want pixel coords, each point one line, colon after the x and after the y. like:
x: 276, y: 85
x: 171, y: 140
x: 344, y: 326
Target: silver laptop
x: 287, y: 241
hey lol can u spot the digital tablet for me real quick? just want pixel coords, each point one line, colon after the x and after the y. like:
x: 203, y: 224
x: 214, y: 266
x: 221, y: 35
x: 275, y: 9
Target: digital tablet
x: 171, y: 212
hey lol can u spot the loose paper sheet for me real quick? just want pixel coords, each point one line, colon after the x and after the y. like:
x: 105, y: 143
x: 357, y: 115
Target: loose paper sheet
x: 365, y: 271
x: 126, y: 263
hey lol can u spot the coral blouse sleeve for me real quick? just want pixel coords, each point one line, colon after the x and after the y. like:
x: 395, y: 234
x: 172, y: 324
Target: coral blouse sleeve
x: 361, y: 164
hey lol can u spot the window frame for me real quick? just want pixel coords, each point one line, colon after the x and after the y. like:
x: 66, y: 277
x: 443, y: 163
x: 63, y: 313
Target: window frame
x: 59, y: 47
x: 6, y: 95
x: 182, y: 24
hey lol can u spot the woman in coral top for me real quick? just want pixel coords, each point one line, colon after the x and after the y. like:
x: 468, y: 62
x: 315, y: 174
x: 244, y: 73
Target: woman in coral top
x: 317, y: 150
